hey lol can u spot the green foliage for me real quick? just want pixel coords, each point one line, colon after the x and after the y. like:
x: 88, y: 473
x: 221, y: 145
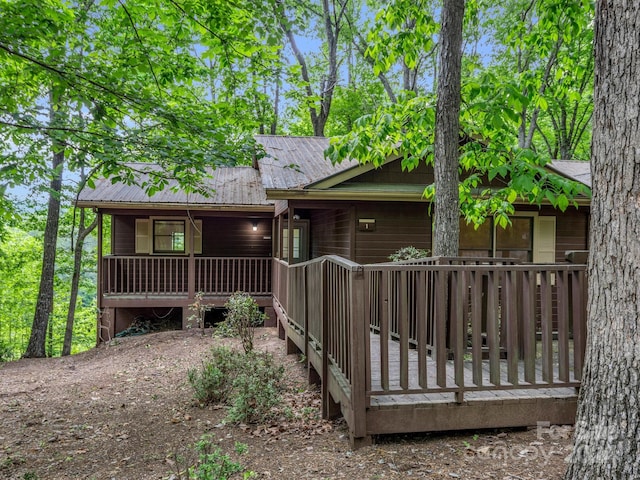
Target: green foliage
x: 20, y: 265
x: 256, y: 389
x: 199, y: 309
x: 212, y: 463
x: 213, y: 382
x: 241, y: 318
x: 408, y: 253
x: 250, y: 384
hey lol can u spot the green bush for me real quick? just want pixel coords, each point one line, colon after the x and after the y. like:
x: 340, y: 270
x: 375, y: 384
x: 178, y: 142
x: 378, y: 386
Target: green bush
x: 243, y: 315
x: 212, y: 463
x: 213, y: 382
x: 6, y: 352
x: 250, y: 384
x: 408, y: 253
x: 256, y: 389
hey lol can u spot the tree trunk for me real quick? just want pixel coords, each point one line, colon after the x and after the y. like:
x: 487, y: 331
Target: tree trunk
x: 44, y: 304
x: 83, y: 231
x: 608, y: 422
x: 447, y: 226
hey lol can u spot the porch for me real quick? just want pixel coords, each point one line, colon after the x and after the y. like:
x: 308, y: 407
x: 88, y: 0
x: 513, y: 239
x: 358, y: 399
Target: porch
x: 447, y: 344
x: 130, y: 283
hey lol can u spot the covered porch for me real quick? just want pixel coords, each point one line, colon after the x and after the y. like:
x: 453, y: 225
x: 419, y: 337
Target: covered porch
x: 443, y: 344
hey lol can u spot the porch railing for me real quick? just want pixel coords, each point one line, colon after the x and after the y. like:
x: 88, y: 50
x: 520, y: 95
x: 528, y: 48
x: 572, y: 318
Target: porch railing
x: 438, y: 327
x: 169, y: 275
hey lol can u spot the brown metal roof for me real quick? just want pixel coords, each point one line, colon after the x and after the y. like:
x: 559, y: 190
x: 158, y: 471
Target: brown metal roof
x: 232, y: 187
x: 577, y: 170
x: 295, y: 162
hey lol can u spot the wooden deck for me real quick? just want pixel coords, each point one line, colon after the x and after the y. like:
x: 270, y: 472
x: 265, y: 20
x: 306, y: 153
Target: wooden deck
x: 412, y: 348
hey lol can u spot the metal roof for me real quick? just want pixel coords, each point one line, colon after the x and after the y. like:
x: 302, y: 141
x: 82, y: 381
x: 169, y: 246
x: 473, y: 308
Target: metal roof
x: 295, y: 162
x: 577, y: 170
x: 231, y: 187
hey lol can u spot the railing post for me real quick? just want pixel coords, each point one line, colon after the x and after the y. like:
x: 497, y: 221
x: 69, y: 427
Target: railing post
x: 100, y: 272
x: 358, y: 431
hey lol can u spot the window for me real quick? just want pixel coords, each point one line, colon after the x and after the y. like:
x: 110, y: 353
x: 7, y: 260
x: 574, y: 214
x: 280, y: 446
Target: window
x: 168, y: 236
x: 529, y: 238
x: 476, y: 242
x: 516, y: 241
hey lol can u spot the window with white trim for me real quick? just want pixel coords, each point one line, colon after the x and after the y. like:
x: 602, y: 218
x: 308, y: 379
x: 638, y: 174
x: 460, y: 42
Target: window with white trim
x: 529, y: 238
x: 168, y: 236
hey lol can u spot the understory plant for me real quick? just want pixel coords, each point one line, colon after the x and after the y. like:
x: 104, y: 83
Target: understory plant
x: 199, y: 309
x: 211, y: 463
x: 408, y: 253
x: 242, y: 317
x: 249, y: 383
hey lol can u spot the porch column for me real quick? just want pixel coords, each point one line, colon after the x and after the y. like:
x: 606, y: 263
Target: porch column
x: 290, y: 259
x: 191, y: 277
x: 100, y: 277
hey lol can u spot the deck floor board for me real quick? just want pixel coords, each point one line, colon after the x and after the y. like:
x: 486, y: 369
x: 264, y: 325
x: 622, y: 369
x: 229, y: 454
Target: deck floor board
x: 395, y: 397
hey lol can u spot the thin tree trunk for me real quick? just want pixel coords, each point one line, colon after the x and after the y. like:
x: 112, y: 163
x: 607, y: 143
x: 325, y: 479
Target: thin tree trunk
x: 276, y: 106
x: 44, y: 304
x: 83, y: 232
x: 608, y: 423
x: 447, y: 226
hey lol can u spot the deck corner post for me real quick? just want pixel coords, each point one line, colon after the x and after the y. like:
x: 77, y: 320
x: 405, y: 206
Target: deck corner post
x: 100, y: 275
x: 327, y: 401
x: 359, y: 327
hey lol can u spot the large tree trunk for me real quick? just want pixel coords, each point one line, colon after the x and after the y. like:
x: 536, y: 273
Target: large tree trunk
x: 447, y: 226
x: 83, y: 231
x: 608, y: 424
x: 44, y: 304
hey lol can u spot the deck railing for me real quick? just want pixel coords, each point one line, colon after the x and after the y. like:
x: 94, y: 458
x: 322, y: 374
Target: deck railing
x: 169, y: 275
x: 443, y: 326
x: 499, y: 326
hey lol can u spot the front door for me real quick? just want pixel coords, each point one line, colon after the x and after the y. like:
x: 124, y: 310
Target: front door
x: 300, y: 244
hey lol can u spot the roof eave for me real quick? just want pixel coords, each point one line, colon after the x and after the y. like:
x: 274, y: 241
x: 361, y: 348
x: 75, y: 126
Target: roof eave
x: 172, y: 206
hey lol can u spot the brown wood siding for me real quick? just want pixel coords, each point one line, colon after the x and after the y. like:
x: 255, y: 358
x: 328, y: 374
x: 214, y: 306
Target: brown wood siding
x: 123, y: 235
x: 397, y: 225
x: 330, y: 232
x: 234, y: 237
x: 392, y: 173
x: 221, y: 236
x: 572, y: 231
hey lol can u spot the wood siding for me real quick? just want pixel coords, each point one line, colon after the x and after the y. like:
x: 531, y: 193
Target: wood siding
x: 234, y: 237
x: 330, y: 232
x: 221, y: 236
x: 572, y: 231
x: 392, y: 173
x: 397, y: 225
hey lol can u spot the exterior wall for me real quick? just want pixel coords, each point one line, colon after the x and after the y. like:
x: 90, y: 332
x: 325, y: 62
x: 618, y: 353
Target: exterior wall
x: 392, y: 174
x: 572, y: 231
x: 330, y: 232
x: 234, y: 237
x: 221, y: 236
x: 397, y: 225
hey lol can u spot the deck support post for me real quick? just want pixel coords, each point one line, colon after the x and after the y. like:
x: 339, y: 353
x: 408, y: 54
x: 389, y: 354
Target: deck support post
x: 359, y: 326
x: 291, y: 346
x: 100, y: 280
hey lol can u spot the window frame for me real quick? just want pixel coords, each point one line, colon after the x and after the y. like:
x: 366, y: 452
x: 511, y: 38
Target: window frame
x: 145, y: 235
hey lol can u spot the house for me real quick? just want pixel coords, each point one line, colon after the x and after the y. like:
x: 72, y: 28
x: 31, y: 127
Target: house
x: 499, y: 330
x: 165, y: 248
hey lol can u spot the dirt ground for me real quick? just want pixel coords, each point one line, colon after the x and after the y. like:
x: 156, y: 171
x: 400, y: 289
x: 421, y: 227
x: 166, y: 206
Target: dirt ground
x: 125, y: 411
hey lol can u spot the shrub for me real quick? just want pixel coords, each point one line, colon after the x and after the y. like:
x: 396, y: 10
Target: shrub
x: 243, y: 315
x: 6, y: 352
x: 256, y: 389
x: 250, y: 384
x: 213, y: 382
x: 212, y: 463
x: 408, y: 253
x: 199, y: 309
